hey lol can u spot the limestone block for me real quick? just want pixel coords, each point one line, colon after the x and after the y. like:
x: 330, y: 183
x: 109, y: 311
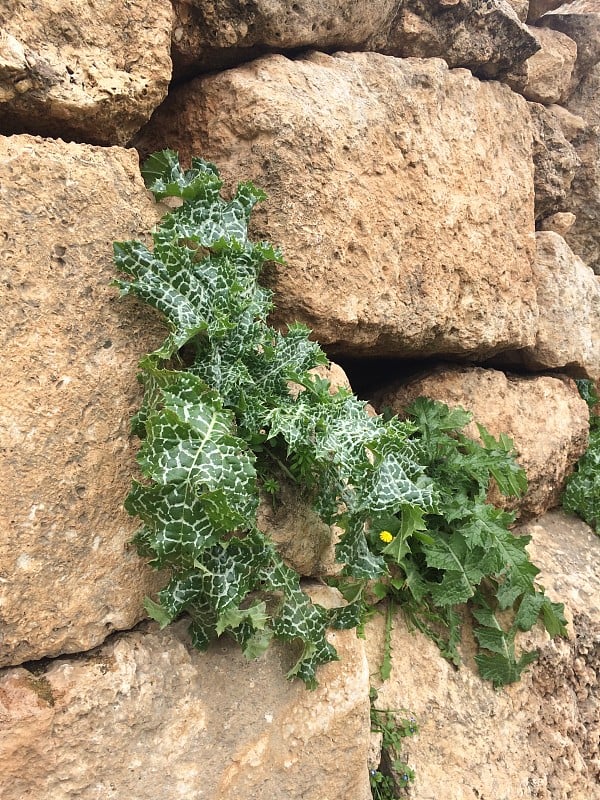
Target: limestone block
x: 569, y: 301
x: 545, y: 77
x: 146, y: 716
x: 486, y: 36
x: 555, y: 160
x: 68, y: 576
x: 580, y: 21
x: 545, y: 417
x: 83, y: 71
x: 400, y: 192
x: 534, y: 740
x: 212, y: 34
x: 584, y: 202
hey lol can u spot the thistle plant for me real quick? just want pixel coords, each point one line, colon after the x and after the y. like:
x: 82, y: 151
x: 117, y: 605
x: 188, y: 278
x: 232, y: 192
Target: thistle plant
x: 219, y: 421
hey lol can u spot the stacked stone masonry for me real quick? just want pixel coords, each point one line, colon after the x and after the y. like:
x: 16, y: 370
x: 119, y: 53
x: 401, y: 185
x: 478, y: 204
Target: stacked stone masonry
x: 433, y: 178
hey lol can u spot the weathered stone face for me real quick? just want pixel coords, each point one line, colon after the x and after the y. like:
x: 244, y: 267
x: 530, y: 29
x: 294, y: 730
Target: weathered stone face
x: 146, y: 716
x: 584, y: 200
x: 545, y: 77
x: 210, y: 34
x: 68, y: 575
x: 581, y: 22
x: 546, y: 418
x: 400, y: 192
x: 89, y: 72
x: 569, y: 301
x: 555, y: 160
x: 484, y: 35
x: 534, y: 740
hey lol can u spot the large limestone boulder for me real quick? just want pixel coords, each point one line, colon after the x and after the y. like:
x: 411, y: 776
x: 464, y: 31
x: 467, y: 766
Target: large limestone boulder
x: 555, y: 159
x: 486, y: 36
x: 568, y: 334
x: 68, y: 574
x: 400, y: 192
x: 212, y: 34
x: 584, y: 237
x: 534, y: 740
x: 146, y: 716
x: 546, y: 418
x: 83, y: 71
x: 545, y: 77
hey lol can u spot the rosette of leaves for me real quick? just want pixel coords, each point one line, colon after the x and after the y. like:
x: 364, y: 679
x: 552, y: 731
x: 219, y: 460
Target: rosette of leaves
x: 582, y: 491
x: 219, y: 420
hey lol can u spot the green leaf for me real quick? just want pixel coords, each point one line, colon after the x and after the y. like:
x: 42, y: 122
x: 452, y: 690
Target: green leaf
x: 502, y: 671
x: 156, y: 612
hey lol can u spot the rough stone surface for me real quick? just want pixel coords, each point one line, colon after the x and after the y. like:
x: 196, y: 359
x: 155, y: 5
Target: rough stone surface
x: 560, y: 223
x: 571, y: 125
x: 584, y: 237
x: 145, y: 716
x: 545, y: 417
x: 520, y: 7
x: 580, y: 21
x: 67, y: 573
x: 569, y: 301
x: 211, y: 34
x: 546, y: 76
x: 85, y: 71
x: 484, y: 35
x: 555, y: 160
x: 400, y: 192
x: 534, y: 740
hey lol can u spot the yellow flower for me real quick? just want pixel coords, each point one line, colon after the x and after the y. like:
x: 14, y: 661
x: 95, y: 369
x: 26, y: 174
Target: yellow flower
x: 386, y: 536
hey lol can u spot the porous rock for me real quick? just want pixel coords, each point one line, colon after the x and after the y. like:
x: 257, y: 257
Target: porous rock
x: 584, y: 202
x: 68, y: 575
x: 545, y: 77
x: 533, y: 740
x: 400, y: 192
x: 545, y: 417
x: 85, y: 71
x: 147, y: 716
x: 211, y: 34
x: 486, y: 36
x: 556, y: 162
x: 568, y: 293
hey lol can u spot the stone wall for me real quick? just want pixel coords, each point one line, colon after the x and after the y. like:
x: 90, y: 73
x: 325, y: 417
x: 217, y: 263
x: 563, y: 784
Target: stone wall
x: 433, y: 179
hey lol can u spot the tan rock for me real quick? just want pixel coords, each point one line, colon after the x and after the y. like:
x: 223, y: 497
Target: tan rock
x: 486, y: 36
x: 580, y: 21
x: 534, y: 740
x: 146, y: 716
x: 560, y: 223
x: 83, y: 71
x: 401, y: 193
x: 545, y: 417
x: 572, y: 125
x: 584, y: 200
x: 212, y: 34
x: 545, y: 77
x: 68, y: 576
x: 555, y: 160
x: 569, y: 301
